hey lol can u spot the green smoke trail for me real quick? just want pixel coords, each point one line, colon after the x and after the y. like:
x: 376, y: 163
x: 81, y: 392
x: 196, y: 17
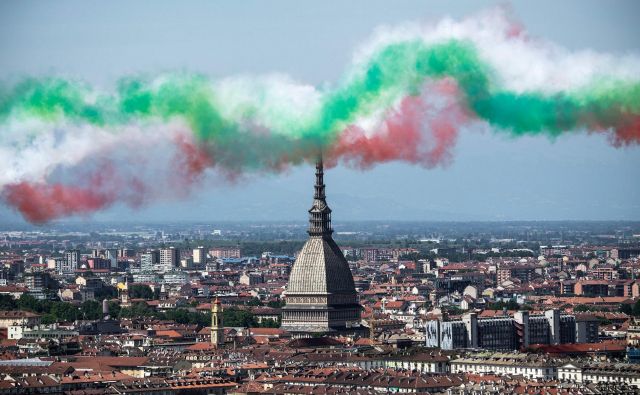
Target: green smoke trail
x: 403, y: 67
x: 395, y: 71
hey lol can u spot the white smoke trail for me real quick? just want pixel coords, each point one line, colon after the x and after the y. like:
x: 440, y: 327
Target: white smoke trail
x: 520, y: 62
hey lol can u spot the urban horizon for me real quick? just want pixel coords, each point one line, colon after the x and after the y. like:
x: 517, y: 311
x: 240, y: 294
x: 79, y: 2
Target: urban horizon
x: 156, y: 167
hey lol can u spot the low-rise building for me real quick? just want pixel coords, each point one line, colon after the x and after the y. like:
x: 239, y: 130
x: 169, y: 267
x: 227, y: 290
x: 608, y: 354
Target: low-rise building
x: 22, y: 318
x: 600, y: 372
x: 251, y: 278
x: 527, y: 365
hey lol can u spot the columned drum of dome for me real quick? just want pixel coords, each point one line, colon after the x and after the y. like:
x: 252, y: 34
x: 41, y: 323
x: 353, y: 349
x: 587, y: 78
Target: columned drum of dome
x: 321, y: 296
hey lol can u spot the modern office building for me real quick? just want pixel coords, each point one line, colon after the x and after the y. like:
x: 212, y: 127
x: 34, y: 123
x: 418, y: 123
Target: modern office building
x: 169, y: 258
x: 510, y: 333
x: 199, y: 256
x: 149, y: 260
x: 72, y: 258
x: 522, y: 272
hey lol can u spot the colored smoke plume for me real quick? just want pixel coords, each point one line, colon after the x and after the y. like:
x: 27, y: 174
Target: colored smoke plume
x: 405, y: 97
x: 422, y: 131
x: 43, y: 202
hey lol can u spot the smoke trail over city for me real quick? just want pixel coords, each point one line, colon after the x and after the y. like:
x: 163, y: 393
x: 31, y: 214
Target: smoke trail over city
x: 68, y: 148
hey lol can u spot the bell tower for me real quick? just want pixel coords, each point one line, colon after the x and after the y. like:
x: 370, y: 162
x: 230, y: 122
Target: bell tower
x: 124, y: 294
x: 217, y: 324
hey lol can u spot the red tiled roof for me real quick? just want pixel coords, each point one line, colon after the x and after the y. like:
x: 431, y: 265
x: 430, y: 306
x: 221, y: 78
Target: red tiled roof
x: 266, y: 331
x: 106, y: 363
x: 169, y: 333
x: 4, y: 314
x: 202, y: 346
x: 570, y: 348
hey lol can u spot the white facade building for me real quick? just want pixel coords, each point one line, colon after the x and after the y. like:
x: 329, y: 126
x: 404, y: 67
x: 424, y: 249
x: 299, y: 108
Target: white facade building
x: 169, y: 258
x: 532, y: 367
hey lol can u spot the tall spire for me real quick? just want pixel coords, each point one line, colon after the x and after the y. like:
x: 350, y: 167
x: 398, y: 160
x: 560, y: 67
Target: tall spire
x: 320, y: 213
x: 319, y: 187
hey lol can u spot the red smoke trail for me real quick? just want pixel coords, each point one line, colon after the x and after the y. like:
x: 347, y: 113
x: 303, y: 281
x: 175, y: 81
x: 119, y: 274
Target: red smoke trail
x: 419, y: 131
x: 106, y: 183
x: 627, y: 131
x: 40, y: 202
x: 399, y: 139
x: 191, y: 161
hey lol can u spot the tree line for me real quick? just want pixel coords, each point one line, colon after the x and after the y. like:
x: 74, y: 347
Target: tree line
x: 53, y: 311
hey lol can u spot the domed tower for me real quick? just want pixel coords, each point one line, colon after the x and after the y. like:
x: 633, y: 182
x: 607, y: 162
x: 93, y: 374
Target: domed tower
x: 320, y: 296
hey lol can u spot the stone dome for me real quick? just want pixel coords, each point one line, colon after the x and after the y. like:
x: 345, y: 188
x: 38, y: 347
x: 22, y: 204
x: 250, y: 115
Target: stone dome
x: 320, y: 269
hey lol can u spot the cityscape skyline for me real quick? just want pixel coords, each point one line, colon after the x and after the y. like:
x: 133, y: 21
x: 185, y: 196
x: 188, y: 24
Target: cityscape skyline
x: 308, y: 198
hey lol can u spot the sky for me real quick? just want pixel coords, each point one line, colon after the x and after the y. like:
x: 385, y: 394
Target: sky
x: 492, y: 177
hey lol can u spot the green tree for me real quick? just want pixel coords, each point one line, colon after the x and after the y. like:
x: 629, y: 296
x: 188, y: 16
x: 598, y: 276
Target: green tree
x: 65, y: 311
x: 48, y: 319
x: 269, y: 323
x: 91, y: 310
x: 636, y: 308
x: 107, y: 292
x: 183, y: 316
x: 626, y: 308
x: 139, y: 309
x: 114, y: 309
x: 255, y: 302
x: 140, y: 291
x: 29, y: 303
x: 7, y: 302
x: 237, y: 317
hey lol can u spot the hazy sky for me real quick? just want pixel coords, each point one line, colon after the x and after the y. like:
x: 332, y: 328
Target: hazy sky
x: 491, y: 178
